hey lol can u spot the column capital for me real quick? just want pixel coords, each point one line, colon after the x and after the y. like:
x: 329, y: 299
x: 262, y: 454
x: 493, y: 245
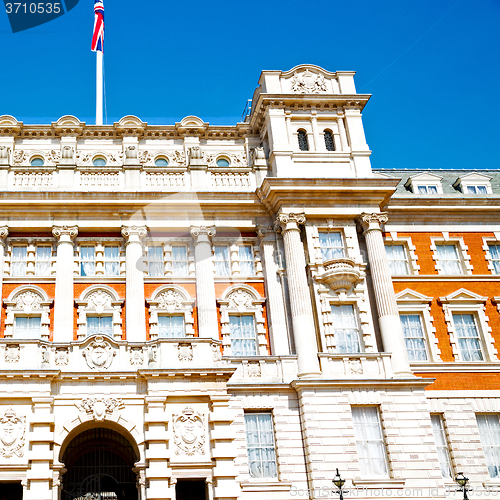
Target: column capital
x: 134, y: 233
x: 4, y: 232
x: 202, y: 233
x: 289, y: 222
x: 65, y: 233
x: 371, y: 222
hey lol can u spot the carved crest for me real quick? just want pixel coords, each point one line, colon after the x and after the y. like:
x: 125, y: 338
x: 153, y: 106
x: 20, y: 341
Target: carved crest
x: 175, y: 158
x: 62, y: 356
x: 217, y: 355
x: 189, y: 433
x: 254, y: 370
x: 100, y: 300
x: 12, y: 430
x: 169, y: 299
x: 355, y: 367
x: 28, y: 301
x: 12, y: 353
x: 185, y: 352
x: 153, y: 353
x: 99, y: 353
x: 100, y: 407
x: 308, y: 83
x: 136, y: 356
x: 240, y: 299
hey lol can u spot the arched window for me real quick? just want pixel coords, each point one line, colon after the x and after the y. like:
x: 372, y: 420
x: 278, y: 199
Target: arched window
x: 302, y: 138
x: 161, y: 162
x: 37, y: 162
x: 330, y: 145
x: 222, y: 162
x: 99, y: 162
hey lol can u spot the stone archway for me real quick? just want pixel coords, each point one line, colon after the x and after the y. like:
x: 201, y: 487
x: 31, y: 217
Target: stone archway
x: 99, y: 464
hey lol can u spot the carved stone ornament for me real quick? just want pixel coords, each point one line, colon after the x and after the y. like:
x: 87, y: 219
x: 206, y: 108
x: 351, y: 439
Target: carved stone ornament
x: 62, y: 356
x: 12, y: 431
x: 169, y: 299
x: 189, y: 433
x: 240, y: 299
x: 99, y: 301
x: 27, y: 302
x: 85, y: 160
x: 283, y: 221
x: 354, y: 367
x: 254, y: 370
x: 4, y: 232
x: 259, y: 154
x: 202, y: 231
x: 12, y: 353
x: 4, y: 152
x: 99, y: 353
x: 67, y: 152
x: 131, y: 152
x: 372, y: 221
x: 308, y: 83
x: 340, y: 274
x: 175, y: 158
x: 153, y: 353
x: 195, y: 153
x: 217, y: 355
x: 136, y: 356
x: 185, y: 352
x: 45, y: 352
x: 98, y: 408
x: 69, y: 231
x: 139, y: 231
x: 236, y: 160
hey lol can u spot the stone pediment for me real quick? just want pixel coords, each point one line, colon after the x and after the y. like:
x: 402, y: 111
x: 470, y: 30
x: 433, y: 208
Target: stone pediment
x: 409, y: 295
x: 130, y: 121
x: 68, y: 121
x: 8, y: 121
x: 474, y: 176
x: 463, y: 295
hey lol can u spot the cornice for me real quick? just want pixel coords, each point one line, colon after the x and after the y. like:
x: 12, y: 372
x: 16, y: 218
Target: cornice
x: 388, y: 383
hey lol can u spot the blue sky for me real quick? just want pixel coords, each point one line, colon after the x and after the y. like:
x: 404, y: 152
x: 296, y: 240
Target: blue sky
x: 432, y: 67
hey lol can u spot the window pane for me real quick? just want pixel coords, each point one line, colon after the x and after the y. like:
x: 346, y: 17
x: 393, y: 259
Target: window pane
x: 332, y: 246
x: 171, y: 326
x: 414, y: 336
x: 345, y: 329
x: 468, y: 337
x: 87, y: 261
x: 27, y: 328
x: 396, y: 256
x: 19, y: 261
x: 448, y: 259
x: 260, y: 445
x: 155, y: 260
x: 43, y: 260
x: 111, y: 261
x: 221, y: 253
x: 369, y: 441
x: 489, y: 432
x: 495, y: 257
x: 245, y: 253
x: 243, y: 335
x: 100, y: 325
x: 441, y: 444
x: 180, y: 260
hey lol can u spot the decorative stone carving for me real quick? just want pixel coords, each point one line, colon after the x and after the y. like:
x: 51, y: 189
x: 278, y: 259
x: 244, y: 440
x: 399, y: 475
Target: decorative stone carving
x: 372, y: 221
x: 175, y: 158
x: 202, y: 231
x: 340, y: 274
x: 4, y: 152
x: 136, y: 356
x: 185, y: 352
x: 98, y: 408
x: 138, y: 231
x: 68, y: 231
x: 170, y: 299
x: 153, y: 353
x: 240, y: 299
x: 99, y: 353
x: 217, y: 355
x: 284, y: 220
x: 189, y: 432
x: 12, y: 353
x: 21, y: 157
x: 28, y: 302
x: 354, y: 367
x: 4, y: 232
x: 235, y: 160
x: 100, y: 300
x: 45, y: 352
x: 259, y: 154
x: 131, y: 152
x: 195, y: 153
x: 85, y: 160
x: 254, y: 370
x: 308, y: 83
x: 12, y: 432
x: 61, y: 356
x: 67, y: 153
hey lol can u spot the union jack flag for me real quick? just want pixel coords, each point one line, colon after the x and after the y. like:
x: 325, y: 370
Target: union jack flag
x: 98, y: 36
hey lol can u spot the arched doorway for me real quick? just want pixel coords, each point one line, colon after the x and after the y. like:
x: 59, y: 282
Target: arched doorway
x: 99, y: 463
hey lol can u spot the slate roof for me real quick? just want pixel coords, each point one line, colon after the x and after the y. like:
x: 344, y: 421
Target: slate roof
x: 449, y: 178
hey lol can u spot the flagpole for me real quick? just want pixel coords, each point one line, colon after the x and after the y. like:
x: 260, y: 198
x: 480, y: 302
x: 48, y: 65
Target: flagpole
x: 99, y: 87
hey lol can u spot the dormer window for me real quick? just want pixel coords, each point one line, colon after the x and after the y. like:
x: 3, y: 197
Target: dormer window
x: 302, y: 138
x: 329, y: 143
x: 425, y: 183
x: 474, y: 183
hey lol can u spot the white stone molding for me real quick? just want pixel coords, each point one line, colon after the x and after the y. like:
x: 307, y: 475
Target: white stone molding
x: 170, y: 299
x: 31, y: 301
x: 486, y: 241
x: 424, y: 179
x: 464, y: 301
x: 12, y: 434
x: 473, y: 179
x: 99, y: 352
x: 412, y: 302
x: 243, y: 299
x: 113, y: 159
x: 461, y: 247
x: 236, y: 160
x: 23, y: 157
x: 394, y: 239
x: 100, y: 407
x: 99, y: 300
x: 176, y: 158
x: 189, y: 433
x: 308, y: 82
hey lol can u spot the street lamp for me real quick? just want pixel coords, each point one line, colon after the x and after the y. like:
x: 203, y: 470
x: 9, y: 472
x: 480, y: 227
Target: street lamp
x: 462, y: 481
x: 339, y: 482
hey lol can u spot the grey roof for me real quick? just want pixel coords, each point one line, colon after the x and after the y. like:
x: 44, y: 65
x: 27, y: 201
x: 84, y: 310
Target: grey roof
x: 449, y: 176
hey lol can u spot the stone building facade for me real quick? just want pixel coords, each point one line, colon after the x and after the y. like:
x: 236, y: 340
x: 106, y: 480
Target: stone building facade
x: 235, y: 312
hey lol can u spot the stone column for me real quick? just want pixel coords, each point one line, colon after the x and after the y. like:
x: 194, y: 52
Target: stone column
x: 300, y: 297
x: 317, y: 141
x: 134, y: 299
x: 205, y: 286
x: 274, y: 293
x: 64, y: 300
x: 385, y: 298
x: 4, y: 232
x: 342, y: 133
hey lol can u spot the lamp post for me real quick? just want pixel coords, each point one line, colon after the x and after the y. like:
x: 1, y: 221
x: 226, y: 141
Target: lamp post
x: 462, y: 481
x: 339, y: 482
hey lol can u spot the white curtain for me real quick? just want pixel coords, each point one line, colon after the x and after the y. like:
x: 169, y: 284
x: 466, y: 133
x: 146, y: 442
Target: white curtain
x: 111, y: 261
x: 260, y: 445
x: 100, y: 325
x: 242, y: 334
x: 468, y: 337
x: 441, y: 445
x: 87, y: 260
x: 246, y: 260
x: 414, y: 337
x: 369, y: 441
x: 332, y: 246
x: 221, y: 260
x: 179, y: 260
x: 155, y: 261
x: 346, y: 329
x: 448, y: 258
x: 19, y: 261
x: 495, y: 256
x: 489, y: 432
x: 43, y: 258
x: 427, y: 189
x: 27, y: 328
x: 171, y: 326
x: 396, y: 257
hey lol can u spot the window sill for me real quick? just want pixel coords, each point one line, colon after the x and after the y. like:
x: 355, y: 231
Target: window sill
x: 379, y: 482
x: 263, y: 485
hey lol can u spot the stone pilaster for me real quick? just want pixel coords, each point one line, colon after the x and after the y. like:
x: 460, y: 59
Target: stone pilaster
x: 274, y: 292
x: 205, y: 287
x: 385, y: 298
x: 300, y: 297
x: 134, y: 299
x: 64, y: 299
x: 4, y: 232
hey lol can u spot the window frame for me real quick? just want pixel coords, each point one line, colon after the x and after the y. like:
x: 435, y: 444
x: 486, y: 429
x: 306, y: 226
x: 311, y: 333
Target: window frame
x: 487, y: 242
x: 100, y: 260
x: 171, y: 315
x: 461, y: 251
x: 233, y: 247
x: 446, y: 448
x: 424, y: 179
x: 484, y: 445
x: 335, y: 330
x: 28, y: 317
x: 473, y: 179
x: 232, y: 337
x: 327, y: 248
x: 100, y: 316
x: 305, y: 147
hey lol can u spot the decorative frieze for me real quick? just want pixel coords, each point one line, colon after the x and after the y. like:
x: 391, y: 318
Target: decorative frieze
x: 99, y: 408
